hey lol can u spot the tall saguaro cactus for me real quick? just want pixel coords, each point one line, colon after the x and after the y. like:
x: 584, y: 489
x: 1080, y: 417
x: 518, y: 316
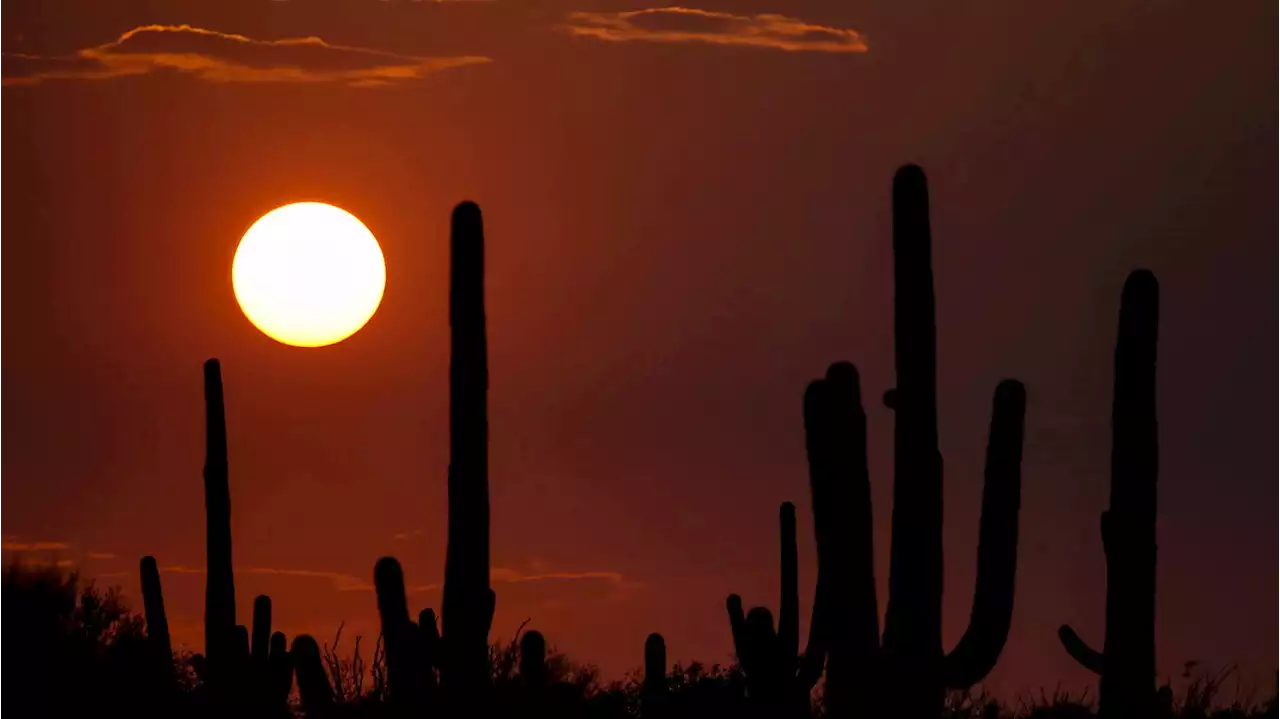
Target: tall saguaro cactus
x: 244, y: 676
x: 219, y: 588
x: 907, y: 669
x: 1127, y: 663
x: 467, y: 605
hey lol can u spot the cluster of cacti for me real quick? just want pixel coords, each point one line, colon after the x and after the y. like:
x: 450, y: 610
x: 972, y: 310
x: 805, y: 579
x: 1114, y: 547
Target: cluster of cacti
x: 779, y: 679
x: 907, y: 669
x: 449, y: 665
x: 1127, y: 662
x: 902, y: 673
x: 251, y: 677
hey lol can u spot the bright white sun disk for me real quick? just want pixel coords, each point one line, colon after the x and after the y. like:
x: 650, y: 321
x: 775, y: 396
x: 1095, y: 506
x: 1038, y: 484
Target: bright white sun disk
x: 308, y: 274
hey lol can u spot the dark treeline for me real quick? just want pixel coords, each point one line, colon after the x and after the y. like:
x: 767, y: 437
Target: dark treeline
x: 74, y: 650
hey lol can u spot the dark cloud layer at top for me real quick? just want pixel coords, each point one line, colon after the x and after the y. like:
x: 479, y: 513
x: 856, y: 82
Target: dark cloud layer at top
x: 227, y: 57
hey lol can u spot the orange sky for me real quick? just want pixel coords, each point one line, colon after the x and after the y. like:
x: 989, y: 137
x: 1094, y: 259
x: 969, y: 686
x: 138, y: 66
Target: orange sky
x: 688, y: 219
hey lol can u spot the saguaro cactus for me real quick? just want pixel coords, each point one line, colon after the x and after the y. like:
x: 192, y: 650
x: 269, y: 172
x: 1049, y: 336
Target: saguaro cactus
x: 219, y: 588
x: 255, y: 677
x: 467, y: 605
x: 1127, y: 663
x: 779, y: 680
x: 410, y: 647
x: 157, y: 620
x: 907, y: 670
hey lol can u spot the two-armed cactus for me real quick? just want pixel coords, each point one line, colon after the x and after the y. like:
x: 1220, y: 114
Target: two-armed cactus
x: 907, y: 669
x: 1127, y: 662
x: 779, y: 679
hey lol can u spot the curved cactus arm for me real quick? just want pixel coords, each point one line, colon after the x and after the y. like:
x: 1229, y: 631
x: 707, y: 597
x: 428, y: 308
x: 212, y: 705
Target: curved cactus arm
x: 153, y: 607
x: 976, y: 653
x: 789, y: 606
x: 1084, y: 655
x: 313, y: 684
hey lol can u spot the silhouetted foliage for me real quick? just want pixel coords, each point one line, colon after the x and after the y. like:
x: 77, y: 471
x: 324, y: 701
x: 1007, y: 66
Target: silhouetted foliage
x: 72, y: 649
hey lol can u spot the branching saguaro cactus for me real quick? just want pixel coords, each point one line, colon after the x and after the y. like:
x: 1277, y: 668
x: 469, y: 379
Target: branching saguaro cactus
x: 779, y: 679
x: 468, y: 602
x: 907, y: 671
x: 1127, y: 663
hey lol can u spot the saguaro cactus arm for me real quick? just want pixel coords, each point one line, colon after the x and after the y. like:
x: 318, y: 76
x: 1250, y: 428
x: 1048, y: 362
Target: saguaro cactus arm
x: 976, y: 653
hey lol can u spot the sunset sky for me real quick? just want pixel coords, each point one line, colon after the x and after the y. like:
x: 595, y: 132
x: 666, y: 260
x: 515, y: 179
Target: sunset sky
x: 687, y: 213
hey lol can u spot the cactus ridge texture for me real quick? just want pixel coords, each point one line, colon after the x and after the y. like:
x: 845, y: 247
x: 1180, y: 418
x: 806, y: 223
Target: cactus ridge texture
x: 906, y: 667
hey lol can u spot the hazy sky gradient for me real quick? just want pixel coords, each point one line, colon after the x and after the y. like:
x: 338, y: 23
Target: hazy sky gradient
x: 687, y: 219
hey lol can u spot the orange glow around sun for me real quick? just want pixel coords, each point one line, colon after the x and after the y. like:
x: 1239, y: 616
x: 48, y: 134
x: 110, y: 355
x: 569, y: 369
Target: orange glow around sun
x: 308, y: 274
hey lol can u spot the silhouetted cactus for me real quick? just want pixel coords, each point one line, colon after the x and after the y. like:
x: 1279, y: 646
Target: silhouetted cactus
x: 1127, y: 662
x: 157, y: 620
x: 654, y: 692
x: 251, y: 678
x: 461, y: 651
x: 779, y: 680
x: 533, y: 660
x: 219, y: 588
x: 468, y: 602
x: 907, y: 670
x: 313, y: 686
x: 410, y: 648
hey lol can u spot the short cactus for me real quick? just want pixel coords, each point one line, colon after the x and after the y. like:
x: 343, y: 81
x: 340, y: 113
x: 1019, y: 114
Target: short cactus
x: 779, y: 679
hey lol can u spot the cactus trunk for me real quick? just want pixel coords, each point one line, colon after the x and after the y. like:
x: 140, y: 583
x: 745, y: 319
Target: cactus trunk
x: 1127, y: 661
x: 220, y: 593
x: 467, y: 608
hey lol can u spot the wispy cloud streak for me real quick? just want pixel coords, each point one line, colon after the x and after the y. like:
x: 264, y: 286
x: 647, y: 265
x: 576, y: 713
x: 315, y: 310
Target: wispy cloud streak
x: 692, y: 25
x: 221, y: 57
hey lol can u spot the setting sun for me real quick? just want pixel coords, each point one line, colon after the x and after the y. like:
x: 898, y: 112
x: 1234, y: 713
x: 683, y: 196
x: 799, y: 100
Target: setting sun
x: 308, y: 274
